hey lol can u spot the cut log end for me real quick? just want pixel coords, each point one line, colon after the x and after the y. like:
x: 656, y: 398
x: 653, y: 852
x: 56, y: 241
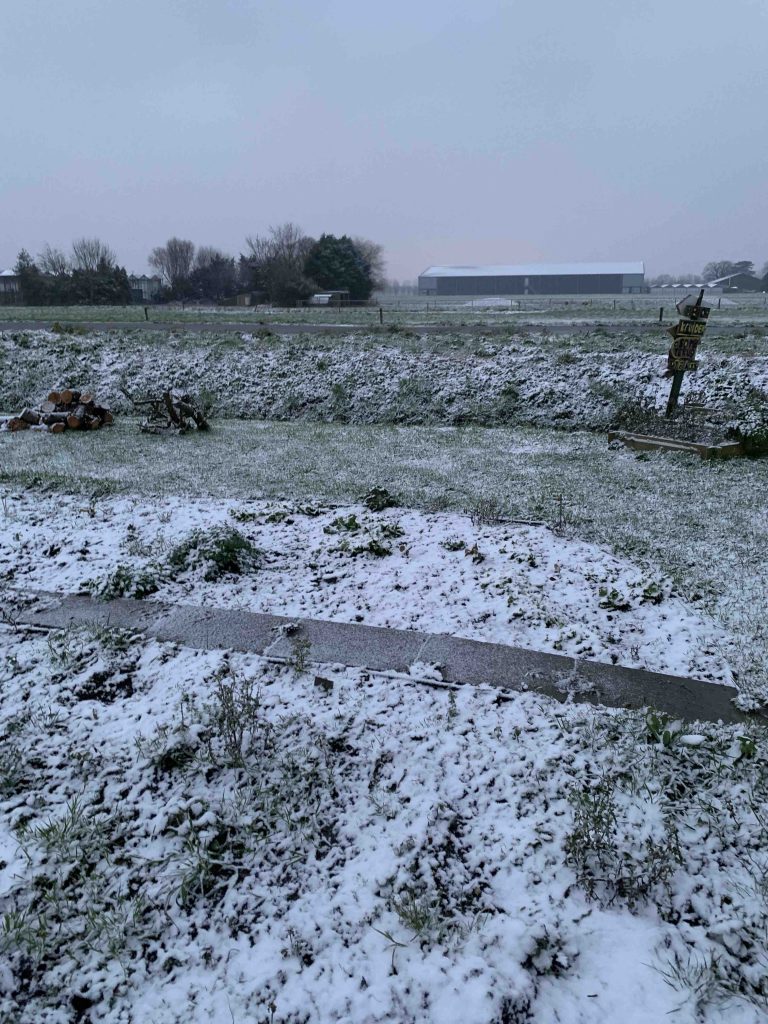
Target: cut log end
x: 62, y: 410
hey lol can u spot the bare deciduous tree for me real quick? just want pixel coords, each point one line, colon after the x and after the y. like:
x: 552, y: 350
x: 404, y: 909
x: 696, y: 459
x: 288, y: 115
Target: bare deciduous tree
x: 91, y: 254
x: 277, y: 262
x: 174, y: 261
x: 285, y: 243
x: 208, y: 254
x: 373, y: 254
x: 53, y: 261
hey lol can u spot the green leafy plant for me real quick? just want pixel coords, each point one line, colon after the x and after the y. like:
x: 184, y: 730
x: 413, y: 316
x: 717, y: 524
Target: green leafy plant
x: 343, y: 524
x: 125, y: 581
x: 610, y: 863
x: 662, y: 730
x: 221, y: 551
x: 418, y: 912
x: 300, y: 648
x: 377, y: 499
x: 453, y: 544
x: 614, y: 600
x: 235, y: 713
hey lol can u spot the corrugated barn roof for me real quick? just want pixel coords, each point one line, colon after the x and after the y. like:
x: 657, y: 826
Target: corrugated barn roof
x: 536, y: 269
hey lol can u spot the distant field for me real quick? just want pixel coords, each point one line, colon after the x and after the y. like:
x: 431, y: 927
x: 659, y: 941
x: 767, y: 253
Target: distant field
x: 414, y: 309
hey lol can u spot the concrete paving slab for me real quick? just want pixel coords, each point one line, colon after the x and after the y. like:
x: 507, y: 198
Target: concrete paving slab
x: 350, y: 644
x: 54, y: 611
x: 461, y: 661
x: 475, y: 662
x: 216, y: 628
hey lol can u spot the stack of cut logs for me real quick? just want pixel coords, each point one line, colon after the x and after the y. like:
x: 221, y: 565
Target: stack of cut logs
x: 63, y: 410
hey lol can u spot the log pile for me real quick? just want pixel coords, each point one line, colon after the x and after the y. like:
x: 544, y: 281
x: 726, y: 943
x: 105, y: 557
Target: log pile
x: 171, y: 412
x: 62, y: 410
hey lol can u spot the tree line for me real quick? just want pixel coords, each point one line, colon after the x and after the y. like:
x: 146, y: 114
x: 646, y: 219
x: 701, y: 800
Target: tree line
x: 283, y: 266
x: 89, y: 276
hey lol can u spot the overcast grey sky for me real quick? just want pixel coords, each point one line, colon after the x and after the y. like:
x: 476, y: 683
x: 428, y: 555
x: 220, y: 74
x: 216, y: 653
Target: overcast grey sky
x: 488, y: 131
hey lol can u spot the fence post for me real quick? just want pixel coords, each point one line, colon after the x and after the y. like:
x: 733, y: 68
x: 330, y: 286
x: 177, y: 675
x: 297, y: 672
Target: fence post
x: 661, y: 313
x: 381, y: 315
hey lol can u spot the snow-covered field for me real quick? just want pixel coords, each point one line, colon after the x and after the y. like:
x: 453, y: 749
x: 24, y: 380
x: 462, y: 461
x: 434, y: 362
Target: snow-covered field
x: 189, y: 836
x: 514, y: 584
x: 204, y: 837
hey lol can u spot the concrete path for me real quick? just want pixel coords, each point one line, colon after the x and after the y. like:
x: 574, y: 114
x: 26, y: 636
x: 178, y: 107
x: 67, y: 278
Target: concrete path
x: 461, y: 661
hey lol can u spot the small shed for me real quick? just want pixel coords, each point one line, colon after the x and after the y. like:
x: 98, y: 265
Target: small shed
x: 335, y: 297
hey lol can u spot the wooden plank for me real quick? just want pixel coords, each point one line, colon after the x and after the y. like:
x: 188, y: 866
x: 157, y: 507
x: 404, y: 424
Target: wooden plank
x: 651, y: 442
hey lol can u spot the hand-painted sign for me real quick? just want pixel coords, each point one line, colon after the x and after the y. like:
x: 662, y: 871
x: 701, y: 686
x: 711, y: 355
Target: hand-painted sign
x: 687, y: 329
x: 683, y: 351
x: 686, y: 335
x: 682, y: 354
x: 692, y: 310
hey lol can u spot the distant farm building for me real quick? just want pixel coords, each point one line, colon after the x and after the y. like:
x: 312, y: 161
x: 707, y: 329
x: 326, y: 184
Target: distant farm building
x: 144, y: 288
x: 10, y: 287
x: 536, y: 279
x: 740, y: 283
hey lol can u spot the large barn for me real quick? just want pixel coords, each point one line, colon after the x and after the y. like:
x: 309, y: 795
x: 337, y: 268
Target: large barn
x: 536, y: 279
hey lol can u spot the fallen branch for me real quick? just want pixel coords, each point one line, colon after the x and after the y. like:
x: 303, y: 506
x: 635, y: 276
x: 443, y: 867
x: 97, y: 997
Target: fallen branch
x: 170, y: 412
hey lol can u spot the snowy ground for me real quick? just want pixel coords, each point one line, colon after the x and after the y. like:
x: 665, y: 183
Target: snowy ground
x: 189, y: 837
x: 590, y: 381
x: 442, y: 573
x: 703, y: 524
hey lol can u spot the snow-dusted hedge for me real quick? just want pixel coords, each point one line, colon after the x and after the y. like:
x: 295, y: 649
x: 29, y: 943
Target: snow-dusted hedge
x: 362, y: 380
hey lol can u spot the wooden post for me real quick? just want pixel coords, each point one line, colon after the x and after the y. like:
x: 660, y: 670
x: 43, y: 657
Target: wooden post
x: 661, y: 313
x: 677, y: 377
x: 674, y: 394
x: 381, y: 315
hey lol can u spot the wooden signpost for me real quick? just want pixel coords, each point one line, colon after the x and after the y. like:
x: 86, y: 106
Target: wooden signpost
x: 686, y: 335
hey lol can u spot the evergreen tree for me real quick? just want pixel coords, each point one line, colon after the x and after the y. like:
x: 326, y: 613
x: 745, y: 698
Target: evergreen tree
x: 337, y: 263
x: 214, y: 277
x: 34, y: 286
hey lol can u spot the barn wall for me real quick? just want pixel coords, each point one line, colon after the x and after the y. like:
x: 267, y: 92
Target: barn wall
x: 577, y: 284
